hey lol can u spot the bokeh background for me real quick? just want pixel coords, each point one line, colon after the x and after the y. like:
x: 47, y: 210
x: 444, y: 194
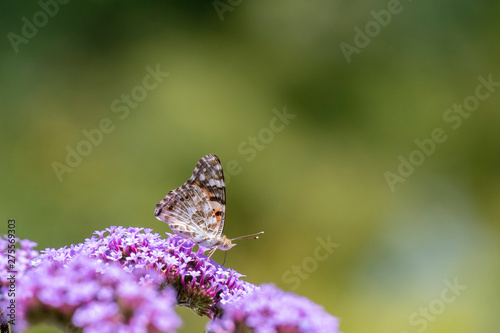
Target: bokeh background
x: 322, y: 176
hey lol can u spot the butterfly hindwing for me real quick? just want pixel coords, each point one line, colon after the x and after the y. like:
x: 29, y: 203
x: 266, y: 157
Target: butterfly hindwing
x: 188, y: 212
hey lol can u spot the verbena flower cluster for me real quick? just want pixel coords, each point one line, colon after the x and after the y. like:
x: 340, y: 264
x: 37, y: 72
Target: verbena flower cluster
x: 23, y: 257
x: 18, y: 261
x: 95, y: 297
x: 129, y: 279
x: 271, y: 310
x: 201, y: 283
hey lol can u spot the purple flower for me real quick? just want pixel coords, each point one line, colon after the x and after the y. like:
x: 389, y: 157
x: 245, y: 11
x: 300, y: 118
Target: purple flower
x: 271, y: 310
x: 111, y: 301
x: 129, y: 279
x: 201, y: 284
x: 23, y: 256
x: 10, y: 267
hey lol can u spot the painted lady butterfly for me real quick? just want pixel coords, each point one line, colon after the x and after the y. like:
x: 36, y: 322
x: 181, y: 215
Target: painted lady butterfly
x: 196, y: 210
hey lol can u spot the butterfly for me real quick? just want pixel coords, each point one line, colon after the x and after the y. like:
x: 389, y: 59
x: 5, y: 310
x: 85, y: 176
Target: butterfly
x: 197, y: 209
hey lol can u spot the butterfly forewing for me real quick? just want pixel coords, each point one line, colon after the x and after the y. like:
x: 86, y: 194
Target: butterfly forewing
x: 209, y: 177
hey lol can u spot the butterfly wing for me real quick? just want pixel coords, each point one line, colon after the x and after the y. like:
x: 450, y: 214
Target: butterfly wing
x: 188, y: 212
x: 209, y: 177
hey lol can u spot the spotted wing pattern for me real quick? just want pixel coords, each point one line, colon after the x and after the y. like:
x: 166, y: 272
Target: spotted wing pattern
x: 208, y: 176
x: 196, y: 210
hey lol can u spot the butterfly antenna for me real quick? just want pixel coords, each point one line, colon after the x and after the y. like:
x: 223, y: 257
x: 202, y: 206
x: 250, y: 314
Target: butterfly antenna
x: 252, y: 236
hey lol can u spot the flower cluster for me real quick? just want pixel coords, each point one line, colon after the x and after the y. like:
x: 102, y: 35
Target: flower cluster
x: 201, y: 284
x: 271, y: 310
x: 21, y: 264
x: 12, y: 260
x: 129, y: 279
x: 95, y: 297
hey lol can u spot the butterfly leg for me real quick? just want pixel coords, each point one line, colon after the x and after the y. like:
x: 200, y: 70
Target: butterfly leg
x: 182, y: 244
x: 211, y: 252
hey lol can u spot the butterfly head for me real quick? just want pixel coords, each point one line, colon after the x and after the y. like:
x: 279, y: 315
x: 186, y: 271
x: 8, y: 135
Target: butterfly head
x: 225, y: 243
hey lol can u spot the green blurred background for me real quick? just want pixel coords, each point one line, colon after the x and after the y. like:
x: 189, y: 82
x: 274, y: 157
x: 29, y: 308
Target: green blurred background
x: 322, y: 175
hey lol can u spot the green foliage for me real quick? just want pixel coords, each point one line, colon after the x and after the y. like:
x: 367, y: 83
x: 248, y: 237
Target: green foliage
x: 323, y: 174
